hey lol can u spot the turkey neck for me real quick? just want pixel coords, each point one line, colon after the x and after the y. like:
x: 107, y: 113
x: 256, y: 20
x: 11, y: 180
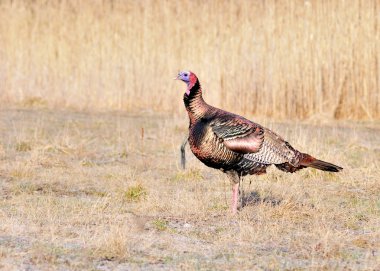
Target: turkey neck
x: 195, y: 105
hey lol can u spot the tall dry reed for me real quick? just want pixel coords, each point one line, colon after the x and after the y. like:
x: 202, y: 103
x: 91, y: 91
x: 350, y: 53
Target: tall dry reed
x: 292, y: 59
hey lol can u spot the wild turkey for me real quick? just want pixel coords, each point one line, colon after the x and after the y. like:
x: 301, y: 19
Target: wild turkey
x: 235, y: 145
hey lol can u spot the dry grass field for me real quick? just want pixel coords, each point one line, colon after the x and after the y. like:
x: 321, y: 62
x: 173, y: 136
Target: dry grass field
x: 297, y: 59
x: 91, y: 123
x: 105, y: 191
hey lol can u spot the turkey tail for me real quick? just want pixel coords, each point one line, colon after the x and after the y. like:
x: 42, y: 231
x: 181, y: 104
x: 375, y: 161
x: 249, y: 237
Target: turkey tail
x: 309, y: 161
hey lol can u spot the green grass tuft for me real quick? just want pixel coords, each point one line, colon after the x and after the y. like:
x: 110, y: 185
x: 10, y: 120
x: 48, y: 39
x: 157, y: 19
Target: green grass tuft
x: 135, y: 193
x: 160, y: 224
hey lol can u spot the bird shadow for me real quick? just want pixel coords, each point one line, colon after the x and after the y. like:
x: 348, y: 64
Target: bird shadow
x: 254, y: 198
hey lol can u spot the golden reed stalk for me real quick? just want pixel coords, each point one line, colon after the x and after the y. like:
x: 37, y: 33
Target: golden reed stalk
x: 296, y: 59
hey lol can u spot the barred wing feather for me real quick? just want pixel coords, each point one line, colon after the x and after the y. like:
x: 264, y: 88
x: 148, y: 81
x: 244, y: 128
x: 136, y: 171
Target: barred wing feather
x: 238, y: 134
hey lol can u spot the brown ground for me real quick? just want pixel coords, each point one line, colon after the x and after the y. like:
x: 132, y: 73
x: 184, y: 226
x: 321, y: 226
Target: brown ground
x: 106, y: 192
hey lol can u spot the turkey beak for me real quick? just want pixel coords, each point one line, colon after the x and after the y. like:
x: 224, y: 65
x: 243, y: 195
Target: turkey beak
x: 176, y: 78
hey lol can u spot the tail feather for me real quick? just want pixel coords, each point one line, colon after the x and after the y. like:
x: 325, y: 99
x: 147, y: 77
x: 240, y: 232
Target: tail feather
x: 310, y: 161
x: 325, y: 166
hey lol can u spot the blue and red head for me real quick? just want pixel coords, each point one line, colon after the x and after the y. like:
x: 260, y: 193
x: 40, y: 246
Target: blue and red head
x: 189, y: 78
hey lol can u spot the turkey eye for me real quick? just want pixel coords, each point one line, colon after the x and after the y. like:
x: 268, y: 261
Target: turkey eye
x: 185, y: 74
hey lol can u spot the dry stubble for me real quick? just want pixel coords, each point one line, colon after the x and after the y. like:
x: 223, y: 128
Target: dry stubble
x: 90, y: 191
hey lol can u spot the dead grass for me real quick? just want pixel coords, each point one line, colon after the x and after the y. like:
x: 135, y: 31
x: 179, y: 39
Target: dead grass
x: 130, y: 206
x: 284, y: 59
